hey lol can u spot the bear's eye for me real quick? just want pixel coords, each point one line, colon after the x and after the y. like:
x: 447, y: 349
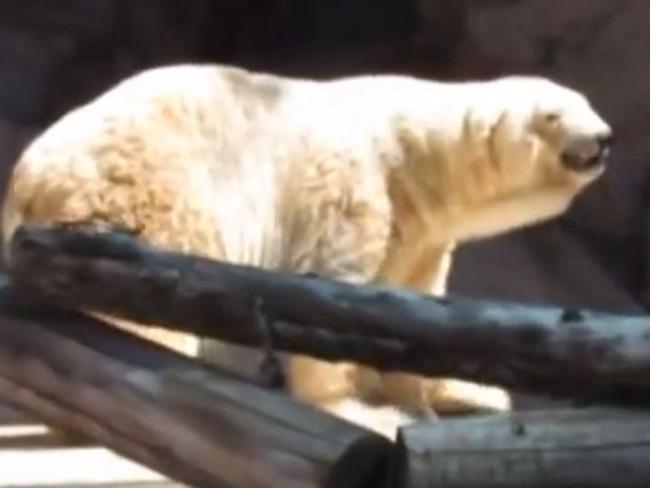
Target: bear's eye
x: 552, y: 117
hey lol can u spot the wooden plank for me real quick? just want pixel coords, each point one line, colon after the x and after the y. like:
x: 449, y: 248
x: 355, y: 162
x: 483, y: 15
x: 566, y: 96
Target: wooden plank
x: 595, y: 447
x: 192, y: 423
x: 547, y: 350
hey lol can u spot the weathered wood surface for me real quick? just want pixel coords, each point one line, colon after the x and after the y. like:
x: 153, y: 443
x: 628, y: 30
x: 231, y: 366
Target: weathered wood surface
x: 548, y: 350
x: 594, y: 447
x: 191, y: 423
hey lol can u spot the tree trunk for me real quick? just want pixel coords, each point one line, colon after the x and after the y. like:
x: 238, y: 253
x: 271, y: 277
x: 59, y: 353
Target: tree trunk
x: 548, y: 350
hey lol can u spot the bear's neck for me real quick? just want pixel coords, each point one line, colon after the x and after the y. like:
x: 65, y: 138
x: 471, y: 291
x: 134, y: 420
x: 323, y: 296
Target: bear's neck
x: 442, y: 200
x: 420, y: 214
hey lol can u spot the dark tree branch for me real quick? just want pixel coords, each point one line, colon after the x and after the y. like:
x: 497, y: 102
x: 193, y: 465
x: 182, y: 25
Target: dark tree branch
x: 192, y: 423
x: 537, y: 349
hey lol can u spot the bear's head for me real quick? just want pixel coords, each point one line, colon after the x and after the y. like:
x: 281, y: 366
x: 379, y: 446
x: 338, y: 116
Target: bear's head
x: 566, y: 122
x: 573, y: 141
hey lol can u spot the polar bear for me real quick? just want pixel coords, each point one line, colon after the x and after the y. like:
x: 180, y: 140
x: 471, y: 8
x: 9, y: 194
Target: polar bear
x: 365, y: 179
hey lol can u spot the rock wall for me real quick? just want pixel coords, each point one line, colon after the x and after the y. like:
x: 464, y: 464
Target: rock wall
x: 53, y: 58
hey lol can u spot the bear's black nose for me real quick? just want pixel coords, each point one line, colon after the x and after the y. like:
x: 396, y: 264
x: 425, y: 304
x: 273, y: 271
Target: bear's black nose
x: 605, y: 141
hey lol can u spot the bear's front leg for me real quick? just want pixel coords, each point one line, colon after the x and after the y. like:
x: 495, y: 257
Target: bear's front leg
x: 445, y: 396
x: 345, y: 390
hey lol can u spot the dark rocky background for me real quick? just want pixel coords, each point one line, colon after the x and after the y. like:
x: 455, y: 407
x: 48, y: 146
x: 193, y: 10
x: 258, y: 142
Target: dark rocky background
x: 54, y: 55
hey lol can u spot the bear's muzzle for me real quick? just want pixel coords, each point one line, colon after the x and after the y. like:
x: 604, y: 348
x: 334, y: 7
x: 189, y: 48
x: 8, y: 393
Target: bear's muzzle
x: 589, y: 154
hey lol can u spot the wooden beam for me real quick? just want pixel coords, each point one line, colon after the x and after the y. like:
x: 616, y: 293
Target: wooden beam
x: 598, y: 448
x: 539, y: 349
x: 192, y: 423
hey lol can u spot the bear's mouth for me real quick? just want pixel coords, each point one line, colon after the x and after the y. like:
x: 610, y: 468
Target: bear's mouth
x: 581, y: 163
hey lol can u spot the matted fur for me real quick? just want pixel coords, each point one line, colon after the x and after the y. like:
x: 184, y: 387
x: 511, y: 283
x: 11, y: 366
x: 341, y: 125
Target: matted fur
x: 364, y: 179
